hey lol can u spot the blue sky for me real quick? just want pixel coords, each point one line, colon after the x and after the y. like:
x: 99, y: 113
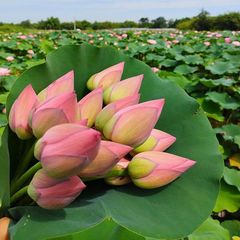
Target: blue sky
x: 113, y: 10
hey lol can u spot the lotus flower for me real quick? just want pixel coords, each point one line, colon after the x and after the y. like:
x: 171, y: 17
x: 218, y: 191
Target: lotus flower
x: 57, y: 110
x: 120, y: 167
x: 108, y: 155
x: 19, y: 113
x: 157, y: 141
x: 107, y: 77
x: 91, y: 105
x: 227, y: 40
x: 10, y: 58
x: 155, y: 69
x: 4, y: 72
x: 123, y: 89
x: 66, y: 148
x: 64, y: 84
x: 236, y: 43
x: 107, y: 112
x: 152, y: 41
x: 52, y: 193
x: 133, y: 125
x: 155, y: 169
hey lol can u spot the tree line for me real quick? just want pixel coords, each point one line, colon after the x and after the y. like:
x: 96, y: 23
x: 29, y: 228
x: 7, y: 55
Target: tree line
x: 203, y: 21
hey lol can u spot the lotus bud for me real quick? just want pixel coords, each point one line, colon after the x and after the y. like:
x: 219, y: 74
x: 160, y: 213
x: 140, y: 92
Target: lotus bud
x: 91, y: 105
x: 64, y: 84
x: 157, y: 141
x: 106, y: 77
x: 57, y: 110
x: 123, y: 89
x: 52, y: 193
x: 20, y: 111
x: 133, y: 125
x: 107, y: 112
x: 108, y: 155
x: 83, y: 122
x: 155, y: 169
x: 4, y: 224
x: 118, y: 181
x: 67, y: 148
x: 119, y: 169
x: 117, y: 176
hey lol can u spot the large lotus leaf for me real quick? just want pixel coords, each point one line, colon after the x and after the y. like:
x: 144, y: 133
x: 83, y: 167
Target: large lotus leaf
x: 210, y: 230
x: 170, y: 212
x: 220, y: 68
x: 228, y: 199
x: 224, y: 100
x: 232, y: 177
x: 233, y: 226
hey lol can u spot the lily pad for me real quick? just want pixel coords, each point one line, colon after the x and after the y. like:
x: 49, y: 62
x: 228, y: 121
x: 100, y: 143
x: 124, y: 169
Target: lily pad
x: 210, y: 230
x: 224, y: 100
x: 170, y: 212
x: 220, y: 68
x: 228, y: 199
x: 230, y: 132
x: 232, y: 177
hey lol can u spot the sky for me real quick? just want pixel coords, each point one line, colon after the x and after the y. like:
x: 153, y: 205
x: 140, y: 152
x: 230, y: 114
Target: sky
x: 112, y: 10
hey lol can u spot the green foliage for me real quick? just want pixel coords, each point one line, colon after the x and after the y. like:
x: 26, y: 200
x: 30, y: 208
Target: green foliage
x: 210, y: 230
x: 202, y: 21
x: 144, y: 22
x: 185, y: 24
x: 159, y: 22
x: 50, y: 23
x: 208, y: 73
x: 229, y: 21
x: 127, y: 207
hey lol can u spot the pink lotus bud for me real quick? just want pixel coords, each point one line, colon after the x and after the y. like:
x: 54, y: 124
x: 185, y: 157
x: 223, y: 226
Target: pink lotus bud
x: 4, y: 72
x: 207, y: 44
x: 108, y: 155
x: 133, y: 125
x: 82, y: 122
x: 227, y: 40
x: 10, y: 58
x: 91, y: 105
x: 64, y: 84
x: 65, y: 149
x: 107, y: 112
x: 123, y: 89
x: 155, y: 169
x: 57, y: 110
x: 236, y: 43
x: 157, y: 141
x: 52, y: 193
x: 106, y: 77
x: 152, y: 41
x: 155, y: 69
x: 19, y: 113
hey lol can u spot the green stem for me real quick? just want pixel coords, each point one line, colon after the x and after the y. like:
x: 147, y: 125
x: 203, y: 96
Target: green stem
x: 25, y: 162
x: 28, y: 174
x: 18, y: 194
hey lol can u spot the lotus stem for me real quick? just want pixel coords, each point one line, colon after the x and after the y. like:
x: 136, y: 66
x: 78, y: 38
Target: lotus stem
x: 28, y: 174
x: 18, y: 194
x: 25, y: 162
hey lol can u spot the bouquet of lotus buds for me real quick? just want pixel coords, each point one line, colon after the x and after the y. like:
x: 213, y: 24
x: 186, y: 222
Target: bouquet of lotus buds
x: 106, y: 135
